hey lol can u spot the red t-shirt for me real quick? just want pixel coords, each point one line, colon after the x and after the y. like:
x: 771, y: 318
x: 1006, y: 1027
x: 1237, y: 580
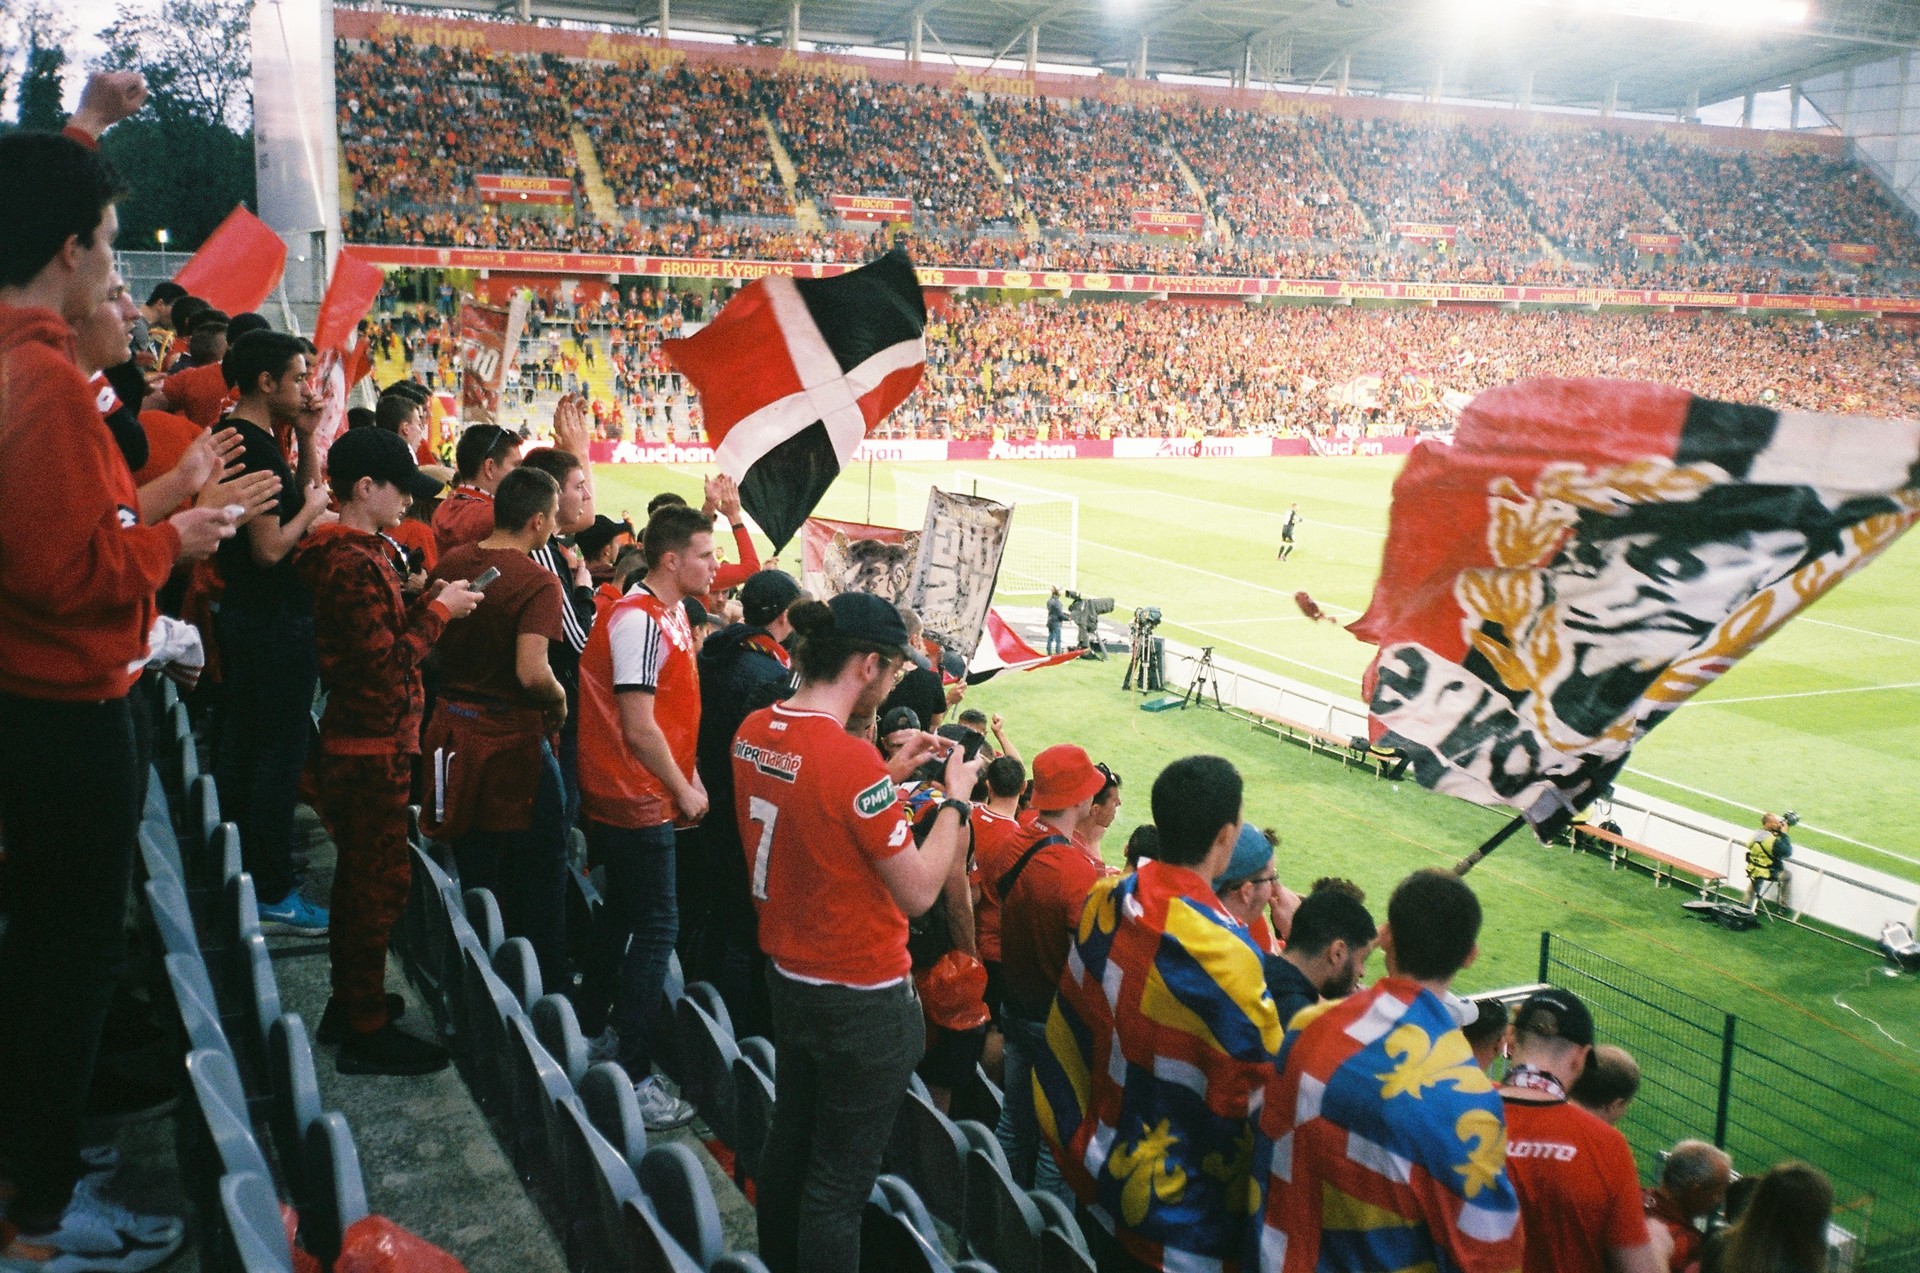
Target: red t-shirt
x: 993, y: 833
x: 198, y: 393
x: 817, y: 810
x: 464, y: 517
x: 1579, y: 1191
x: 638, y: 645
x: 1039, y: 917
x: 168, y: 438
x: 478, y: 655
x: 1662, y: 1210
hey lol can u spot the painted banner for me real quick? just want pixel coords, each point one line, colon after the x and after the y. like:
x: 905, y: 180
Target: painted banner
x: 1158, y: 222
x: 1859, y: 252
x: 1426, y: 231
x: 938, y: 276
x: 502, y: 188
x: 957, y: 566
x: 350, y: 294
x: 1655, y: 242
x: 1590, y: 554
x: 870, y: 207
x: 483, y: 361
x: 837, y: 557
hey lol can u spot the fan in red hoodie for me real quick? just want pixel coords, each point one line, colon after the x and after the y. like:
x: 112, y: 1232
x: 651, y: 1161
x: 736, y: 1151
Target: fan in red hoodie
x: 78, y: 573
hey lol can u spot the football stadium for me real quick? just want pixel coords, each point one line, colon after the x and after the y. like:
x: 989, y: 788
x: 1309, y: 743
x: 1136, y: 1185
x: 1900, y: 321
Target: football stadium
x: 1348, y: 554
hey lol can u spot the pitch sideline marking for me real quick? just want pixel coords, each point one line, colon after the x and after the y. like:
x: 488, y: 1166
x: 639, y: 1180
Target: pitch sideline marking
x: 1847, y: 839
x: 1768, y: 698
x: 1885, y: 636
x: 1109, y: 489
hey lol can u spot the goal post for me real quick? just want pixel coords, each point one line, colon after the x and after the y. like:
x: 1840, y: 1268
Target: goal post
x: 1043, y: 543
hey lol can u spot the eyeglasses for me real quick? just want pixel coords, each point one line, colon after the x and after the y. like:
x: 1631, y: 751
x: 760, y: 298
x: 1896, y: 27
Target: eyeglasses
x: 1264, y: 879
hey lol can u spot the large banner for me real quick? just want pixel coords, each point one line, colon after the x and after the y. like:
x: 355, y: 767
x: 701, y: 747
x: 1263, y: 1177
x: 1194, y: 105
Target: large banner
x: 1159, y: 222
x: 1664, y: 243
x: 488, y: 335
x: 870, y: 207
x: 591, y: 263
x: 502, y: 188
x: 934, y: 451
x: 957, y: 566
x: 1426, y: 231
x: 1860, y: 253
x: 837, y: 557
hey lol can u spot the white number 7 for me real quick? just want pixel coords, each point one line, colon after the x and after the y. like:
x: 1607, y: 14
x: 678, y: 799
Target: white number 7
x: 766, y: 813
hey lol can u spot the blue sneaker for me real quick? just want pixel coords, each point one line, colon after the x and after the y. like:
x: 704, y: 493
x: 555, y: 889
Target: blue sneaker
x: 294, y: 914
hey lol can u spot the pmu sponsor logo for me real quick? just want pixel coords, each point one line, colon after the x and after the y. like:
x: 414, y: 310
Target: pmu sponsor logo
x: 669, y: 453
x: 1541, y: 1149
x: 1033, y: 451
x: 784, y: 765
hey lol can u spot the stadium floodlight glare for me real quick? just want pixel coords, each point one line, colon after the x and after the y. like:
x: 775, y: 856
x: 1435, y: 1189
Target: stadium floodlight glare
x: 1748, y: 13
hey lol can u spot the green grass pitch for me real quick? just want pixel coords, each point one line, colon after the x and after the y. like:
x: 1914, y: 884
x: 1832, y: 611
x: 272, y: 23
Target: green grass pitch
x: 1824, y: 718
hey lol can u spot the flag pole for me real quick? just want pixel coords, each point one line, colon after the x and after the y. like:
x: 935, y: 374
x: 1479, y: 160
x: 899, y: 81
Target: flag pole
x: 1493, y: 842
x: 869, y: 490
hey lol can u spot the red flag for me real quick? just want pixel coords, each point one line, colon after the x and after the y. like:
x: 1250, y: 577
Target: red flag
x: 238, y: 266
x: 1005, y: 651
x: 349, y: 296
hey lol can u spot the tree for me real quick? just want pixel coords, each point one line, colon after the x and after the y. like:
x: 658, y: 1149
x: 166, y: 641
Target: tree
x: 197, y: 56
x: 41, y: 85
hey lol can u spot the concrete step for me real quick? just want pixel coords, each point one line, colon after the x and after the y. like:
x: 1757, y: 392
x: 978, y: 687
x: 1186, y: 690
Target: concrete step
x: 806, y: 214
x: 606, y: 209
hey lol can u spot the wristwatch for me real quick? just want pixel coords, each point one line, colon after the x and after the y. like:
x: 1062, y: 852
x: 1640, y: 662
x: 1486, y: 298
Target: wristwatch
x: 955, y: 802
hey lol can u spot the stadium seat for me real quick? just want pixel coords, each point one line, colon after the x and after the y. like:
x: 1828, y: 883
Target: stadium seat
x: 666, y: 1052
x: 707, y: 1054
x: 1058, y: 1224
x: 198, y: 1011
x: 675, y: 1183
x: 160, y: 853
x: 1002, y: 1223
x: 598, y: 1183
x: 708, y: 997
x: 614, y: 1110
x: 294, y: 1097
x: 224, y: 853
x: 890, y: 1241
x: 203, y: 816
x: 339, y: 1197
x: 584, y: 904
x: 738, y: 1262
x: 261, y: 1003
x: 753, y: 1115
x: 256, y: 1237
x: 760, y: 1051
x: 904, y: 1200
x: 482, y: 910
x: 216, y: 1140
x: 558, y: 1030
x: 519, y: 970
x: 236, y: 916
x: 537, y: 1082
x: 489, y: 1006
x: 651, y: 1243
x: 979, y: 1099
x: 934, y: 1158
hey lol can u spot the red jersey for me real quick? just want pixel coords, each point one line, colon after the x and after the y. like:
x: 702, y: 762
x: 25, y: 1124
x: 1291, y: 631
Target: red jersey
x: 638, y: 645
x: 1579, y: 1191
x: 817, y: 810
x: 465, y: 516
x: 1663, y: 1210
x: 993, y: 833
x: 1039, y: 916
x: 198, y: 393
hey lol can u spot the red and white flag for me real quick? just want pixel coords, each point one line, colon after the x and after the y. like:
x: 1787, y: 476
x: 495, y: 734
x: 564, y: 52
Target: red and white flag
x: 1004, y: 650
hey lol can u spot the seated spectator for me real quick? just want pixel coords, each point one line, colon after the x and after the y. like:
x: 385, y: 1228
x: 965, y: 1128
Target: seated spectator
x: 1326, y: 955
x: 1432, y: 1183
x: 1607, y: 1086
x: 1579, y: 1191
x: 1162, y: 1178
x: 1693, y: 1182
x: 1782, y: 1228
x: 1489, y: 1034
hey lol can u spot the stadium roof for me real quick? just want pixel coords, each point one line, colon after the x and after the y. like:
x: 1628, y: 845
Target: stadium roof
x: 1578, y: 53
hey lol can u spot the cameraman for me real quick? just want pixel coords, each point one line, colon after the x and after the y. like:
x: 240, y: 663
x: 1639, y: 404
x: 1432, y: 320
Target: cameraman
x: 1767, y: 855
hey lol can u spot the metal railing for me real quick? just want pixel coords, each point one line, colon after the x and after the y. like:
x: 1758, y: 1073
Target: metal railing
x: 1708, y: 1074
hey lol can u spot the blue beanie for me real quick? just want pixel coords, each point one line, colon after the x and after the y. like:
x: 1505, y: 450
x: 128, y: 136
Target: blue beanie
x: 1252, y: 853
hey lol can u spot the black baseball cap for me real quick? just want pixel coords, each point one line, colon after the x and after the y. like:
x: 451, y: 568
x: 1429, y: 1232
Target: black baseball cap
x: 866, y: 617
x: 897, y: 719
x: 766, y: 596
x: 380, y: 455
x: 1555, y: 1014
x: 603, y: 532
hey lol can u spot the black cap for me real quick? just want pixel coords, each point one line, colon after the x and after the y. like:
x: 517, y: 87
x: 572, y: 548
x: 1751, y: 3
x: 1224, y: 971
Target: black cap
x: 380, y: 455
x: 865, y: 617
x: 1555, y: 1014
x: 766, y: 596
x: 603, y: 532
x: 897, y: 719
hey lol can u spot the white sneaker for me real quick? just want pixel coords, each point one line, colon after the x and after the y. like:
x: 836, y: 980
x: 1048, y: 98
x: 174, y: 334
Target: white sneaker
x: 604, y: 1046
x: 90, y: 1238
x: 660, y: 1109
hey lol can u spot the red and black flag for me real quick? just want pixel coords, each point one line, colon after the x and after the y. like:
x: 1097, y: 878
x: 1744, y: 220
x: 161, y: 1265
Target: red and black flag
x: 795, y: 372
x: 1589, y: 554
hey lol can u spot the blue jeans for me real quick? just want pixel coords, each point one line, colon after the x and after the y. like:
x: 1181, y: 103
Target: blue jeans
x: 269, y: 670
x: 637, y: 932
x: 1030, y: 1161
x: 1055, y: 641
x: 526, y: 871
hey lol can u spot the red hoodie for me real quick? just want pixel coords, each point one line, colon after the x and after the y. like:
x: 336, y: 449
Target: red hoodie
x: 77, y: 569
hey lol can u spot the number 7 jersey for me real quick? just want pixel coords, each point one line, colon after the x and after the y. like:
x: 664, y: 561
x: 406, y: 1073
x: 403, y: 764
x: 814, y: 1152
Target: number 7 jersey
x: 817, y: 811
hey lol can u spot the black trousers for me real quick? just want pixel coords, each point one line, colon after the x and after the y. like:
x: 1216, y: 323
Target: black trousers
x: 72, y: 785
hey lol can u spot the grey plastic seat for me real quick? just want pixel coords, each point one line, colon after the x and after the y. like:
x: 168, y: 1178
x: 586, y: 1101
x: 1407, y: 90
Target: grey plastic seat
x: 675, y: 1183
x: 753, y: 1112
x: 761, y: 1052
x: 160, y: 853
x: 537, y: 1082
x: 224, y: 858
x: 262, y: 999
x: 1063, y: 1249
x: 1002, y: 1224
x: 295, y: 1098
x: 489, y: 1006
x: 584, y: 906
x: 217, y: 1140
x: 979, y: 1099
x: 519, y: 970
x: 198, y: 1011
x: 935, y: 1159
x: 598, y: 1184
x: 339, y: 1196
x: 652, y: 1244
x: 707, y: 1054
x: 256, y: 1239
x: 614, y: 1110
x: 482, y: 910
x: 558, y: 1030
x: 738, y: 1262
x: 890, y: 1242
x: 203, y: 812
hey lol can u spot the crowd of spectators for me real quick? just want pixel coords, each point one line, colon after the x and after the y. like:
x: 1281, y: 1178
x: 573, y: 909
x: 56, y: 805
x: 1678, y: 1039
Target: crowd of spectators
x: 681, y: 140
x: 1084, y: 166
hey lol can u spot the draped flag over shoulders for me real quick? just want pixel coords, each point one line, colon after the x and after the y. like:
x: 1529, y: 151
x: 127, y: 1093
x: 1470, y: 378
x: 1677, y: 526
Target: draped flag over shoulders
x: 794, y: 373
x: 1589, y: 554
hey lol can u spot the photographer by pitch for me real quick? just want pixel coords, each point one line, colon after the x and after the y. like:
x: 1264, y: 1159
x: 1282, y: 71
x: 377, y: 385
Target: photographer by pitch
x: 1767, y: 855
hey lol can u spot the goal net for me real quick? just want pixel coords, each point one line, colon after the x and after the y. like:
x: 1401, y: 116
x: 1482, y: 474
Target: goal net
x: 1043, y: 544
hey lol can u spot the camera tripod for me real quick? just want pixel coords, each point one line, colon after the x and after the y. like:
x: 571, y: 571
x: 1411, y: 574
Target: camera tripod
x: 1205, y: 677
x: 1143, y: 664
